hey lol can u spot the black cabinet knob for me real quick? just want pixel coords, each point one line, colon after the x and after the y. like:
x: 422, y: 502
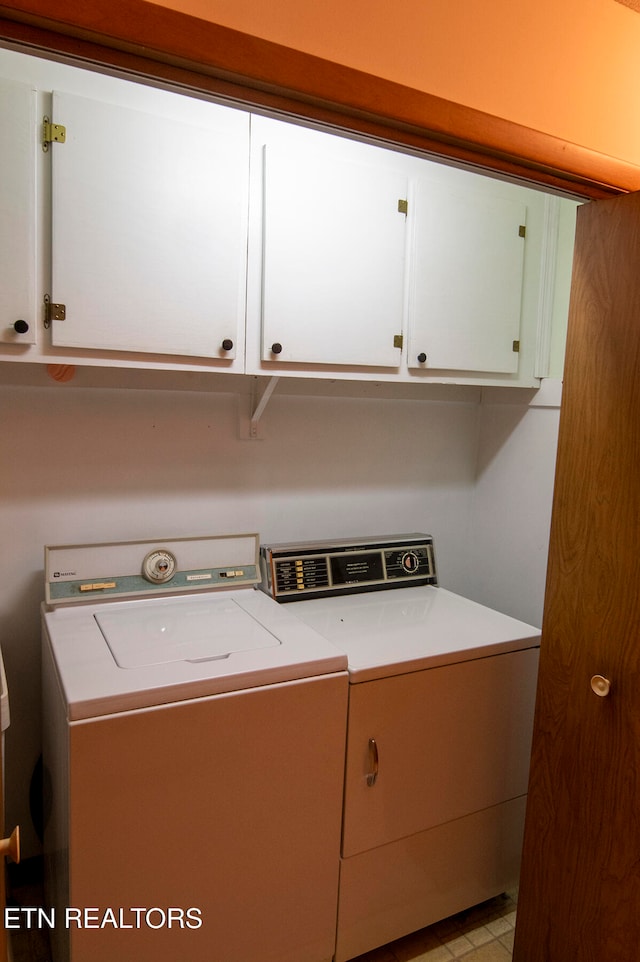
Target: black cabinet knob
x: 227, y: 344
x: 276, y: 348
x: 21, y: 327
x: 422, y: 357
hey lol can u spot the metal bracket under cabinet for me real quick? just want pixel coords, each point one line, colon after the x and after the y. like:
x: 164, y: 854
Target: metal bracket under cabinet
x: 252, y: 407
x: 261, y: 406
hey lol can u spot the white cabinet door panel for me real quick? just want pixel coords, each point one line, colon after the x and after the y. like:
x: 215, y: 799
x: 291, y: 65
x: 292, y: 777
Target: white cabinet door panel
x: 451, y: 741
x: 334, y: 256
x: 467, y: 279
x: 149, y: 229
x: 17, y: 213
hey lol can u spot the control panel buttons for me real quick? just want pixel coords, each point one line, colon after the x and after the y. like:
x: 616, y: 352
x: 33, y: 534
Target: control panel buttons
x: 299, y: 574
x: 98, y: 585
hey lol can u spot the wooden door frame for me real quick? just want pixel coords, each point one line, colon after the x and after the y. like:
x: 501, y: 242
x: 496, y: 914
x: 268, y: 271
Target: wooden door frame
x: 143, y: 40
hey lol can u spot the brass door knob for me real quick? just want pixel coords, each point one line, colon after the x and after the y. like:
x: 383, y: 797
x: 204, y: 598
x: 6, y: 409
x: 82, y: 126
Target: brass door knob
x: 600, y: 685
x: 11, y: 846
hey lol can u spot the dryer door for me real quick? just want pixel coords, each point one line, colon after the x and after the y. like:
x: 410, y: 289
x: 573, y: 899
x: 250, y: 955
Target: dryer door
x: 449, y: 741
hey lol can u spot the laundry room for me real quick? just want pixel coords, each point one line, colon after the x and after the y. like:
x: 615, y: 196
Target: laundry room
x: 104, y: 464
x: 107, y: 436
x: 97, y: 452
x: 108, y: 453
x: 110, y: 463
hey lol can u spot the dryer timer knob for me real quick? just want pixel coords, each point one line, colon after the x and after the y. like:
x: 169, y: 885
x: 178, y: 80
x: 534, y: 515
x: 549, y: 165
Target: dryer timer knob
x: 410, y: 562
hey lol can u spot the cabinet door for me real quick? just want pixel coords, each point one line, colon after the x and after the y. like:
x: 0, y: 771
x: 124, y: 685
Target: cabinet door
x: 467, y: 276
x: 450, y: 741
x: 17, y: 213
x: 149, y: 228
x: 334, y: 251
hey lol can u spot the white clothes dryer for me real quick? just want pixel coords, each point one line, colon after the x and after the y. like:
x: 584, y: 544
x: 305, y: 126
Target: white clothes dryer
x: 441, y: 702
x: 194, y: 741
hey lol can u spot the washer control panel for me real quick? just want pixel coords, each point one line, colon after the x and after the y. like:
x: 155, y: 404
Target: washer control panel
x: 310, y: 570
x: 134, y: 569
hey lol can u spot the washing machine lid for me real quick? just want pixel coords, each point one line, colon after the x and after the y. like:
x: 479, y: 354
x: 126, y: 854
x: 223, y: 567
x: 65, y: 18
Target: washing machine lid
x: 260, y: 643
x: 140, y: 625
x: 161, y: 632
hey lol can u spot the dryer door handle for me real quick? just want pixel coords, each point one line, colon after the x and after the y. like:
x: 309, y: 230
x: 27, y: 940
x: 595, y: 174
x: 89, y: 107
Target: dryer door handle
x: 372, y: 774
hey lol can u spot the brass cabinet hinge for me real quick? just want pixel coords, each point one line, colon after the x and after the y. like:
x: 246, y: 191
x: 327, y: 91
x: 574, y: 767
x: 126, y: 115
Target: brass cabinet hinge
x: 52, y: 133
x: 398, y: 340
x: 522, y: 231
x: 403, y: 206
x: 516, y: 347
x: 53, y: 312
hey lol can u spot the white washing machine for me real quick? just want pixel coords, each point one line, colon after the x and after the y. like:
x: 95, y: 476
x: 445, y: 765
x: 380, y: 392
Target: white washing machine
x: 194, y: 742
x: 441, y: 702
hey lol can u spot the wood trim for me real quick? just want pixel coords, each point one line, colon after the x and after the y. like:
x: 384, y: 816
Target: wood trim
x: 154, y: 42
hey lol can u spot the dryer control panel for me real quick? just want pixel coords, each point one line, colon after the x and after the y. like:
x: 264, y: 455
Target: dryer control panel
x: 304, y: 570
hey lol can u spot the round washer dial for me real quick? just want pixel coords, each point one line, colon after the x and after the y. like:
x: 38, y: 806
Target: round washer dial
x: 159, y: 566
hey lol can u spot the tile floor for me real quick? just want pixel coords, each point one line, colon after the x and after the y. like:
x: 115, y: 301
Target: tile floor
x: 483, y: 933
x: 480, y: 934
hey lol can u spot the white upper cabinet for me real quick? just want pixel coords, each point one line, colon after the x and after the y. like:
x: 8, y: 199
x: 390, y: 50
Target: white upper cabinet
x: 366, y: 262
x: 331, y: 240
x: 18, y: 322
x: 149, y: 218
x: 170, y: 232
x: 467, y: 279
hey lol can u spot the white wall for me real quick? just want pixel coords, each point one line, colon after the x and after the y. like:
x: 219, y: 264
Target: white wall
x: 511, y: 510
x: 89, y: 464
